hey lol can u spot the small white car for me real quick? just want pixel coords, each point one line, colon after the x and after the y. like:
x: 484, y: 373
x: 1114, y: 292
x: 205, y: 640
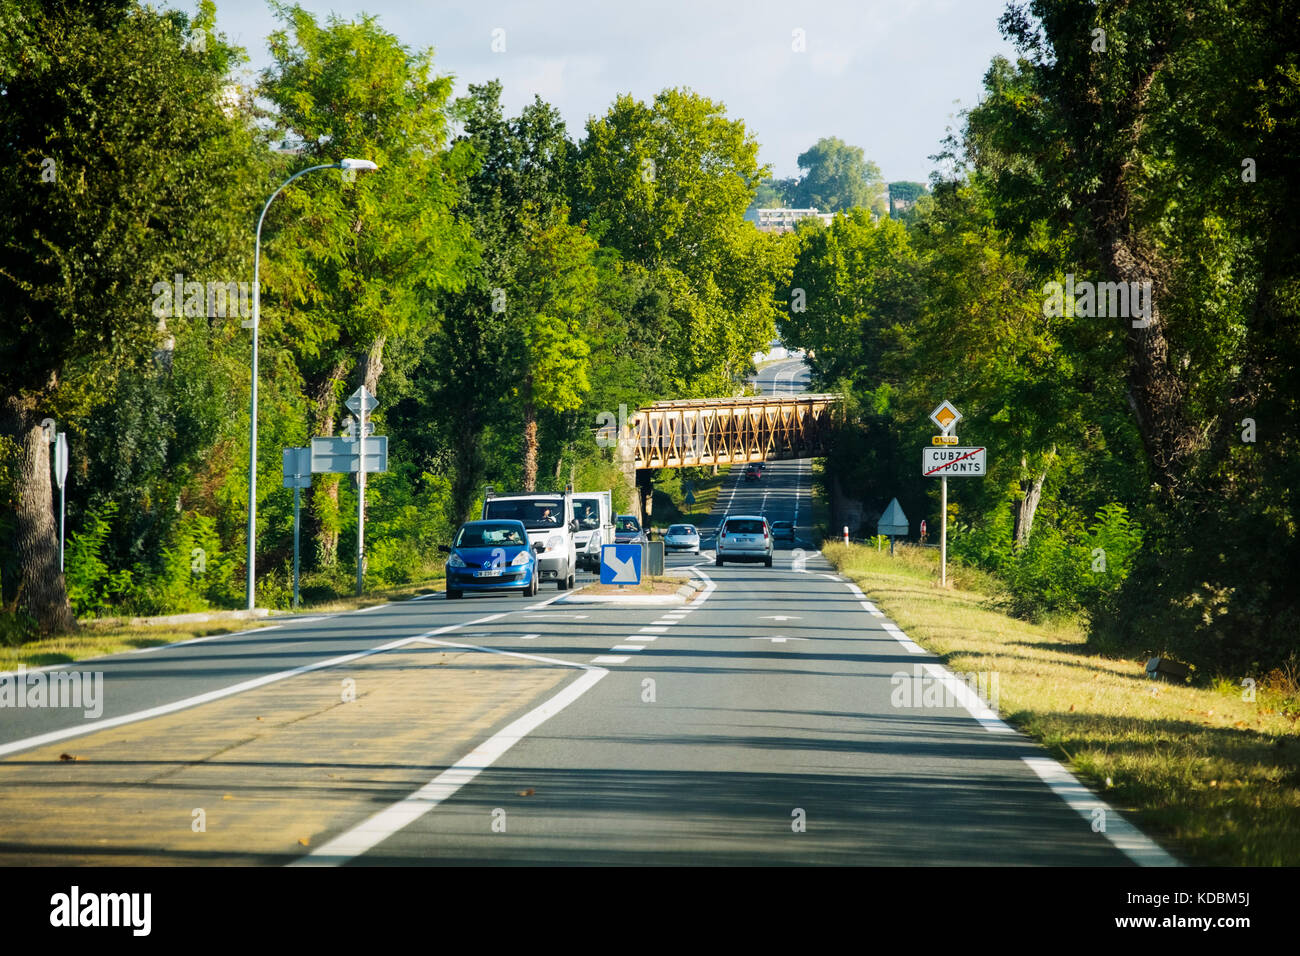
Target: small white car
x: 744, y: 538
x: 682, y: 537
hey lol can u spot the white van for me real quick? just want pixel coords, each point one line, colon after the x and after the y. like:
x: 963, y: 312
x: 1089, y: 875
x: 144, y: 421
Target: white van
x: 549, y: 520
x: 595, y: 513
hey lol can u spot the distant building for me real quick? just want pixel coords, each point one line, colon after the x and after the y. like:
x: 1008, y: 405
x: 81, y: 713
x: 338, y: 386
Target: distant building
x: 784, y: 220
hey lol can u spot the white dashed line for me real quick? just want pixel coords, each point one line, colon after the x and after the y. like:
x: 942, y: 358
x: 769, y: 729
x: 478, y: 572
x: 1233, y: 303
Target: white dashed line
x: 643, y: 637
x: 628, y: 647
x: 376, y: 607
x: 608, y: 659
x: 654, y: 630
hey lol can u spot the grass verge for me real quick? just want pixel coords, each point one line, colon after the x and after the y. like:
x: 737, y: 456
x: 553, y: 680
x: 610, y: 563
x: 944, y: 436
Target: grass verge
x: 1212, y: 776
x: 669, y: 508
x: 100, y: 637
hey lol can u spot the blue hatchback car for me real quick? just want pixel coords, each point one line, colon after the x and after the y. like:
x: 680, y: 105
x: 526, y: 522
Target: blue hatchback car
x: 491, y: 555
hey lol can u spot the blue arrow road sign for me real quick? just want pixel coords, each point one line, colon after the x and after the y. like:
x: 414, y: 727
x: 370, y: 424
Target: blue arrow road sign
x: 620, y: 564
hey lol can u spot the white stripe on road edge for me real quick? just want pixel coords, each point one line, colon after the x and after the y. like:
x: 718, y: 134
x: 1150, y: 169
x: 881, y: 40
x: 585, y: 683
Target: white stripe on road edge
x: 654, y: 630
x: 430, y: 596
x: 1126, y: 838
x: 609, y: 659
x: 529, y: 637
x: 872, y: 609
x: 628, y: 647
x: 893, y: 631
x: 856, y: 591
x: 375, y: 607
x: 368, y: 834
x: 67, y: 733
x: 643, y: 637
x: 961, y: 691
x: 192, y: 640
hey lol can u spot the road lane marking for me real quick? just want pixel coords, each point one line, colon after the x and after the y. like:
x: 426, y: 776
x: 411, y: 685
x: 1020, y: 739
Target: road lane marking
x: 163, y: 647
x: 528, y: 637
x: 430, y: 596
x: 1125, y: 837
x: 628, y: 647
x: 373, y: 607
x: 856, y: 591
x: 373, y: 831
x: 893, y: 631
x: 654, y: 630
x: 872, y: 609
x: 643, y: 637
x: 970, y: 700
x: 608, y: 659
x: 186, y: 702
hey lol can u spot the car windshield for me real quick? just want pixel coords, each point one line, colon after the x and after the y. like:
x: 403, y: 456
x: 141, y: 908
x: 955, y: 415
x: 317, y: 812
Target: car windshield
x: 587, y: 513
x: 744, y: 526
x: 628, y: 523
x: 681, y: 529
x: 782, y: 524
x: 535, y: 513
x: 489, y: 535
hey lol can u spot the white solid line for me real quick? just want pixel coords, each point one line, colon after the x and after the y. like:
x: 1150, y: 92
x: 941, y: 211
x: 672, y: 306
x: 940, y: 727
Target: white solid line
x: 68, y: 732
x: 430, y: 596
x: 872, y: 609
x: 893, y: 631
x: 192, y: 640
x: 856, y: 591
x: 162, y: 709
x: 654, y: 630
x: 959, y: 689
x: 375, y: 607
x: 385, y: 823
x: 608, y: 659
x: 628, y: 647
x: 1128, y: 839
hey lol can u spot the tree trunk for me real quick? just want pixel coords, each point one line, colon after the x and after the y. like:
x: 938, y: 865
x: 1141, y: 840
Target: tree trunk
x: 42, y: 590
x: 530, y: 438
x: 1031, y: 493
x: 322, y: 519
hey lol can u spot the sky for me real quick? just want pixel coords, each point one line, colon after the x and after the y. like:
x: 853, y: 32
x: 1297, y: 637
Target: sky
x: 890, y: 76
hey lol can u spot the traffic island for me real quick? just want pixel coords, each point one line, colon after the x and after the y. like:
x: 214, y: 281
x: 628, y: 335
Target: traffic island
x: 658, y: 591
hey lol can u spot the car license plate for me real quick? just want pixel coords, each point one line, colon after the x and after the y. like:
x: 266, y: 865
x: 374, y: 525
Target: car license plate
x: 487, y: 574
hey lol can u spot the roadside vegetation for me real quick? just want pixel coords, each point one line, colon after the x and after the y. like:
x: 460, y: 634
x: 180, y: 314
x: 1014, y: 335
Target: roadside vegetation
x: 1211, y: 770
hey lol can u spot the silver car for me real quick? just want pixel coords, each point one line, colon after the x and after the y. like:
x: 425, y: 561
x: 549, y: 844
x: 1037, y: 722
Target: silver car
x: 682, y: 537
x: 744, y: 538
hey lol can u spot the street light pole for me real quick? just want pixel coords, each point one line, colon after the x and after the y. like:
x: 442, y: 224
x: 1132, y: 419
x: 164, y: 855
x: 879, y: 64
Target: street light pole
x: 346, y: 164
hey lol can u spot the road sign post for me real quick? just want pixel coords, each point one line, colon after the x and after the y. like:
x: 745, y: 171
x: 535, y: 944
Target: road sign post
x: 297, y: 475
x: 893, y: 522
x: 361, y: 404
x: 61, y: 476
x: 940, y: 461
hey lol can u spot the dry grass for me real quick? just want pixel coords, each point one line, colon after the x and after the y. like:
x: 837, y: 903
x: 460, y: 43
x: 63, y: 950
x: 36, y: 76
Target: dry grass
x: 1213, y: 776
x: 97, y: 638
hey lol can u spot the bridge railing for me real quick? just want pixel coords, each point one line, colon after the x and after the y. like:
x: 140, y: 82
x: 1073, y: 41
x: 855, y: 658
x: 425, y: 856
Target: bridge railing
x: 719, y: 431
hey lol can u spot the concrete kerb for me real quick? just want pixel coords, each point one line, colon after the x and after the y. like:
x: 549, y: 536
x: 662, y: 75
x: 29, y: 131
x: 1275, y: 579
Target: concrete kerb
x: 683, y: 593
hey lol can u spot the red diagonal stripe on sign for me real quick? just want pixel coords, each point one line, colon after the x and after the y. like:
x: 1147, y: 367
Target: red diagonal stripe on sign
x: 949, y: 464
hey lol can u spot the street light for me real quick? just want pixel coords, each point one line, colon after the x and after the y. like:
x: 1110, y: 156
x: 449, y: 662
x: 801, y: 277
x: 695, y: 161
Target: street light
x: 346, y: 165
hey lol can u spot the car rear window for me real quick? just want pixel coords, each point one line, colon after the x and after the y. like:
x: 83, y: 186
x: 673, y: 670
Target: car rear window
x: 743, y: 526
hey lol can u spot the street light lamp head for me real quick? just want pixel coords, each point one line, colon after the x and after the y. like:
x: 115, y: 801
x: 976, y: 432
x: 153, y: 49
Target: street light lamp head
x: 362, y: 164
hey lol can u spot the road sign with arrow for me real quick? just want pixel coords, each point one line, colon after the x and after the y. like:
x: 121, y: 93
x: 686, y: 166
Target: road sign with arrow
x: 620, y: 564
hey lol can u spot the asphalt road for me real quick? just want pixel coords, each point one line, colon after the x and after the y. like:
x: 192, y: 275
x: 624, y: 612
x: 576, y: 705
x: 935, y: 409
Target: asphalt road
x: 758, y: 724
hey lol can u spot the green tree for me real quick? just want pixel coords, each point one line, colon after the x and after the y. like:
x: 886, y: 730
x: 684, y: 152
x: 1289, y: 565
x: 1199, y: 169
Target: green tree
x: 838, y: 177
x: 95, y: 213
x: 352, y: 265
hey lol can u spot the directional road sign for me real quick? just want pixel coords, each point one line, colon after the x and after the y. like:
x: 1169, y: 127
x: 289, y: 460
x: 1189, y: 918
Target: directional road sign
x: 620, y: 564
x: 61, y: 459
x: 952, y: 462
x: 297, y: 467
x: 337, y: 454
